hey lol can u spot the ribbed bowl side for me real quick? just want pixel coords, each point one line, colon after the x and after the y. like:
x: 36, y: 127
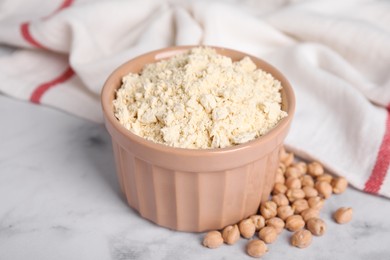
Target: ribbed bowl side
x: 165, y: 196
x: 270, y: 166
x: 195, y: 201
x: 118, y: 164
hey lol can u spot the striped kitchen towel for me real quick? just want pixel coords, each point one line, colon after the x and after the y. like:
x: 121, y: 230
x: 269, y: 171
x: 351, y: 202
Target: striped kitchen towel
x: 335, y: 53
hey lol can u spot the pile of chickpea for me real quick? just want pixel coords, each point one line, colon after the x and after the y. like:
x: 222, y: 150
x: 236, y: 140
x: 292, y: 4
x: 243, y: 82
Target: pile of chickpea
x: 298, y: 195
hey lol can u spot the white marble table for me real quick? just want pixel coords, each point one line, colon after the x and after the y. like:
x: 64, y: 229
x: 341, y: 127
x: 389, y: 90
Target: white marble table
x: 59, y: 199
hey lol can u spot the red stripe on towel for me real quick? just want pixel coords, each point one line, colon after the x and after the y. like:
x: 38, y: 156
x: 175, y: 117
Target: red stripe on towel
x: 65, y: 4
x: 42, y: 88
x: 25, y: 31
x: 25, y: 27
x: 375, y: 181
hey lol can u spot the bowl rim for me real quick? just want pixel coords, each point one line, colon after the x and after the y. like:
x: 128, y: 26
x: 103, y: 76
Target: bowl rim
x: 108, y: 91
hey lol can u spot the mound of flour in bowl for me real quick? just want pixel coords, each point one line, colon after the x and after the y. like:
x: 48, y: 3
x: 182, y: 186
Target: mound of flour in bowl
x: 199, y: 99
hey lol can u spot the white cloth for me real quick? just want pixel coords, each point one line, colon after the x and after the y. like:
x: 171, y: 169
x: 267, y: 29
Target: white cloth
x: 335, y: 53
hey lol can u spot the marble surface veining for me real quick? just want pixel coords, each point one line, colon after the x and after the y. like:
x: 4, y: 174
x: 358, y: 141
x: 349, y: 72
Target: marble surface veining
x: 59, y: 199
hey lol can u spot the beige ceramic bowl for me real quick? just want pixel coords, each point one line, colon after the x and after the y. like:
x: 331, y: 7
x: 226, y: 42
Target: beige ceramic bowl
x: 187, y: 189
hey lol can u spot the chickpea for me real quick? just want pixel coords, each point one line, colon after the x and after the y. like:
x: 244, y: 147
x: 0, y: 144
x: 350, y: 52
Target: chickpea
x: 315, y: 169
x: 213, y: 239
x: 301, y: 238
x: 295, y: 194
x: 316, y: 226
x: 285, y: 211
x: 316, y: 202
x: 295, y: 222
x: 310, y: 213
x: 299, y: 205
x: 339, y: 185
x: 307, y: 180
x: 268, y: 234
x: 247, y: 228
x: 343, y: 215
x: 268, y: 209
x: 279, y: 188
x: 282, y: 153
x: 279, y: 177
x: 259, y: 221
x: 325, y: 177
x: 282, y: 167
x: 256, y: 248
x: 324, y: 189
x: 280, y: 199
x: 277, y: 223
x: 288, y: 159
x: 310, y: 192
x: 293, y: 183
x: 231, y: 234
x: 292, y: 172
x: 302, y: 167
